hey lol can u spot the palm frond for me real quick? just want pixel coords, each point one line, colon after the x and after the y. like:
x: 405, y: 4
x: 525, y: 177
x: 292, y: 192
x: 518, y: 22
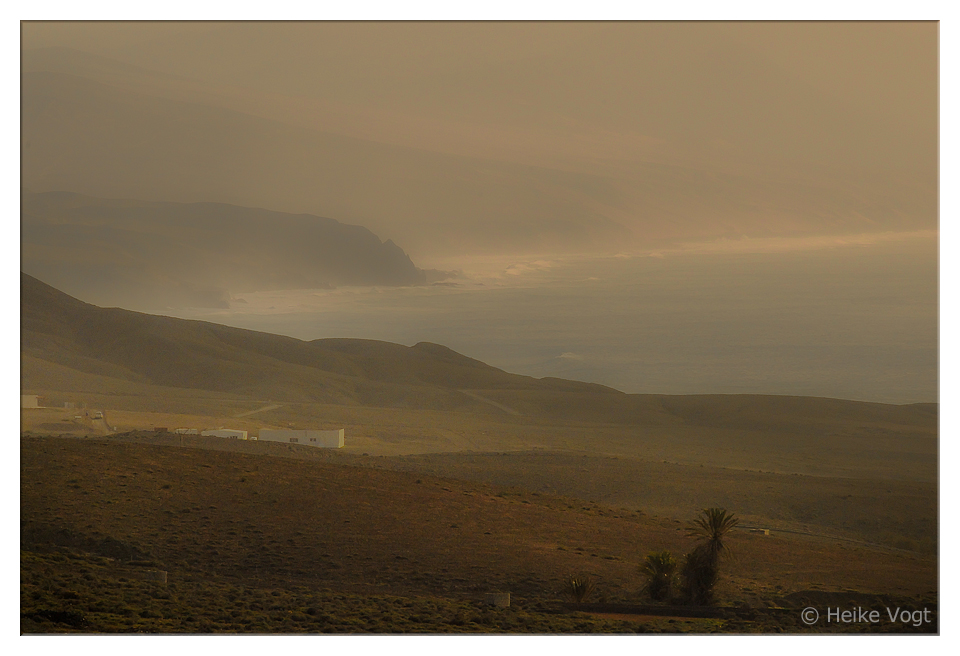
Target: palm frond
x: 711, y: 526
x: 659, y: 567
x: 659, y: 563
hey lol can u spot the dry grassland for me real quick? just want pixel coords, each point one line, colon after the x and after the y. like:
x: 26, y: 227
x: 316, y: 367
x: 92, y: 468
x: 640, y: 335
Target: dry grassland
x: 260, y: 521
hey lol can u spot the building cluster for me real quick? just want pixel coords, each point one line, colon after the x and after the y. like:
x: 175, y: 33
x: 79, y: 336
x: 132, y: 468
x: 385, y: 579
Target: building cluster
x: 28, y: 401
x: 327, y: 439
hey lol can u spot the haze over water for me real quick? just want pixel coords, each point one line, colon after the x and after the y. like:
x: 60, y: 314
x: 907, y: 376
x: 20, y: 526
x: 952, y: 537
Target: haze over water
x: 853, y: 321
x: 801, y: 156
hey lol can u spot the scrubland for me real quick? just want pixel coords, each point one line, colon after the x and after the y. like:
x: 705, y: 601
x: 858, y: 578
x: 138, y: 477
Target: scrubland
x: 457, y: 479
x: 279, y: 538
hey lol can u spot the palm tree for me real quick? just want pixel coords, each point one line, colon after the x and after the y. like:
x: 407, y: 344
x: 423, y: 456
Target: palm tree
x: 659, y: 567
x: 711, y: 526
x: 701, y: 569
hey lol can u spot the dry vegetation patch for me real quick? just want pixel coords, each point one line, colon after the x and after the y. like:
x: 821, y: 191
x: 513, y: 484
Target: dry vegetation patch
x: 218, y: 520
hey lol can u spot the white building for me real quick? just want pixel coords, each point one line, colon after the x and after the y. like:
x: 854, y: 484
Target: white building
x: 328, y: 439
x: 226, y: 432
x: 187, y: 431
x: 29, y: 401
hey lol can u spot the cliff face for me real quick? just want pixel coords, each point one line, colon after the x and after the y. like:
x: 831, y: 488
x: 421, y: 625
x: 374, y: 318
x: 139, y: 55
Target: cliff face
x: 146, y: 255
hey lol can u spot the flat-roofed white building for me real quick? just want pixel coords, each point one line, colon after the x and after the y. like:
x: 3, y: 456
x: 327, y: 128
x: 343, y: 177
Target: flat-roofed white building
x: 186, y: 431
x: 327, y: 439
x: 226, y: 432
x: 29, y: 401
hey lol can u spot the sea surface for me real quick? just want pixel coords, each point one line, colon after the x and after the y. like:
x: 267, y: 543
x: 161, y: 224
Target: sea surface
x: 851, y: 319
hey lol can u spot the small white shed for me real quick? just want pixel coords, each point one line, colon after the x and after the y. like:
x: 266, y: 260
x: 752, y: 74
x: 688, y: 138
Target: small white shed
x: 327, y: 439
x: 29, y: 401
x: 226, y: 432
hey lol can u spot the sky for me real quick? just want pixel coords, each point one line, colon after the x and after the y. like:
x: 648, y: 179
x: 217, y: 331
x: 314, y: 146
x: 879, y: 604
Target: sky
x: 484, y: 138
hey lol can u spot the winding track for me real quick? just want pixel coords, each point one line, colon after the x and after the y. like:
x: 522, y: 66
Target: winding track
x: 263, y: 409
x: 483, y: 399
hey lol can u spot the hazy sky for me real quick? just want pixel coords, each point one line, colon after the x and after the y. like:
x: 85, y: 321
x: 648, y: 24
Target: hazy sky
x: 458, y: 138
x: 536, y: 141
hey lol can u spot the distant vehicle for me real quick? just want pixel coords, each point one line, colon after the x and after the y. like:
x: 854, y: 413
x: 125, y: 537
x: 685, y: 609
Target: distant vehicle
x: 98, y: 415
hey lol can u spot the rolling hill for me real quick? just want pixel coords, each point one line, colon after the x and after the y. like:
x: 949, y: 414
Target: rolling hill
x: 59, y: 330
x: 71, y: 346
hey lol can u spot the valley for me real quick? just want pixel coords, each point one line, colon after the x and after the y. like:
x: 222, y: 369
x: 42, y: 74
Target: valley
x: 522, y: 482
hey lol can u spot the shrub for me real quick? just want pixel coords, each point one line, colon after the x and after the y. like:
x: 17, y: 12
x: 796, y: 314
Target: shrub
x: 699, y: 576
x: 578, y: 588
x: 659, y: 567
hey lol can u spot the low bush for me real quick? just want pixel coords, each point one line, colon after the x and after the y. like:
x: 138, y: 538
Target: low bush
x: 659, y: 568
x: 578, y: 588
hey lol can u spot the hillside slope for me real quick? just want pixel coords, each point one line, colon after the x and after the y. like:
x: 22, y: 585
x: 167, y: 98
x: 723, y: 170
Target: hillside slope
x: 147, y: 255
x: 143, y: 348
x: 138, y: 349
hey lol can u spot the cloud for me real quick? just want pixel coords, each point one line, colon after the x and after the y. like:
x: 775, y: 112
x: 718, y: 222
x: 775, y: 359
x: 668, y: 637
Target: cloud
x: 787, y: 244
x: 529, y: 267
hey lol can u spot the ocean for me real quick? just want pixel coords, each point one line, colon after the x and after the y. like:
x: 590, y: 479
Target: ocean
x: 852, y: 319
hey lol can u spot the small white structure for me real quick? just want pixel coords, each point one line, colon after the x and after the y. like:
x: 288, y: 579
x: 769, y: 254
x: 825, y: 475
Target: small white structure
x: 328, y: 439
x: 501, y: 599
x: 187, y: 431
x: 158, y: 575
x: 29, y: 401
x: 226, y: 432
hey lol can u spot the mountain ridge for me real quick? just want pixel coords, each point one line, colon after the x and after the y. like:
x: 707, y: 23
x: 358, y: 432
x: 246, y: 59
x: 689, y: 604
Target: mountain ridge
x: 126, y: 252
x: 137, y: 349
x: 194, y: 354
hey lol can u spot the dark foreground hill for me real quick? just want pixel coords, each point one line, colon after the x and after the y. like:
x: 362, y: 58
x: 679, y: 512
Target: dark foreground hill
x: 146, y: 255
x: 261, y: 543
